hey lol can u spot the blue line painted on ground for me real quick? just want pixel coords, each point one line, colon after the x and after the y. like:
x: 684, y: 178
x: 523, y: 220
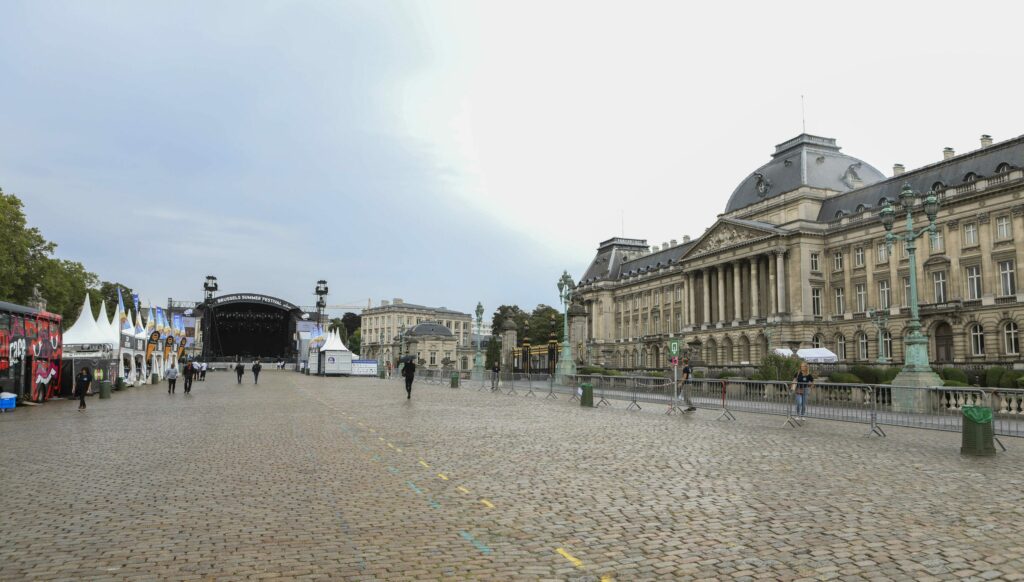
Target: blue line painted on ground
x: 476, y: 543
x: 414, y: 487
x: 393, y: 470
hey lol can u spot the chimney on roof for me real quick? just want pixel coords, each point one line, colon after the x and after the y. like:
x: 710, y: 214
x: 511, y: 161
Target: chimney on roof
x: 948, y: 153
x: 672, y: 242
x: 686, y: 238
x: 986, y: 140
x: 654, y: 249
x: 384, y: 303
x: 664, y: 245
x: 397, y: 301
x: 898, y: 169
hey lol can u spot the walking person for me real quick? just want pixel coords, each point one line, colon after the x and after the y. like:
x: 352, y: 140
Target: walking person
x: 409, y: 371
x: 687, y: 372
x: 190, y: 374
x: 256, y: 367
x: 202, y: 372
x: 172, y: 379
x: 801, y: 387
x: 239, y: 371
x: 495, y: 372
x: 82, y: 382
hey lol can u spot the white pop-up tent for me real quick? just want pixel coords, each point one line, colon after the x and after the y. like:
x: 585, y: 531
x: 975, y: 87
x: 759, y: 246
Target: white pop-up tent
x: 336, y: 357
x: 810, y: 355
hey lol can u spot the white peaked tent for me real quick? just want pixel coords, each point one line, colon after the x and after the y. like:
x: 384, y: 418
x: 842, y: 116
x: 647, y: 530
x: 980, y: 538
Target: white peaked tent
x: 85, y: 332
x: 336, y: 357
x: 140, y: 359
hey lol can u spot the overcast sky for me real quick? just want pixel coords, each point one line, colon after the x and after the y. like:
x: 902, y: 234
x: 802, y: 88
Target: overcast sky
x: 450, y: 152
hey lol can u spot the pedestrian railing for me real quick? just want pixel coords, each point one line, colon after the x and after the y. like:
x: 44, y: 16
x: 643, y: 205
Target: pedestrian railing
x: 935, y: 408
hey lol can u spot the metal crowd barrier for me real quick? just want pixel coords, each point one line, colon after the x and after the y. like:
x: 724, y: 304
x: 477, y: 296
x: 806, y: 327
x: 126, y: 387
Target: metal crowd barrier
x: 874, y: 405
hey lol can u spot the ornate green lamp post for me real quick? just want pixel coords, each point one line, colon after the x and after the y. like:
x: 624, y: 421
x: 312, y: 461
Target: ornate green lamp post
x: 566, y: 367
x: 917, y: 370
x: 478, y: 359
x: 380, y: 355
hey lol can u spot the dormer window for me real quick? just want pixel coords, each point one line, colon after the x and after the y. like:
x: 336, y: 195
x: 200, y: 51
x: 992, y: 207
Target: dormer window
x: 839, y: 214
x: 861, y: 208
x: 970, y: 177
x: 1003, y: 168
x: 882, y: 201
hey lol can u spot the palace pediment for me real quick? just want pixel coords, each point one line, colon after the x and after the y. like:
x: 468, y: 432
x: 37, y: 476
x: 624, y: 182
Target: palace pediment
x: 727, y: 233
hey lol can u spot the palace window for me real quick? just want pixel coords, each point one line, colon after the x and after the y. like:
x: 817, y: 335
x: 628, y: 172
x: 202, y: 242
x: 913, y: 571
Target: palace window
x: 906, y: 291
x: 837, y: 261
x: 886, y: 346
x: 433, y: 358
x: 977, y: 340
x: 860, y: 291
x: 858, y: 257
x: 970, y: 234
x: 816, y: 341
x: 974, y: 282
x: 862, y: 346
x: 884, y: 294
x: 840, y: 302
x: 814, y: 262
x: 883, y: 253
x: 841, y: 347
x: 936, y: 242
x: 816, y: 301
x: 1003, y: 230
x: 939, y: 286
x: 1011, y: 339
x: 1007, y: 278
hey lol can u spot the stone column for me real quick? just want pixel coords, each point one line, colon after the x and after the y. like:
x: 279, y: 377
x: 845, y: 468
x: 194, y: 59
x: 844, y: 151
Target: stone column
x: 1017, y: 224
x: 691, y: 308
x: 780, y: 278
x: 990, y: 286
x: 737, y: 298
x: 954, y: 281
x: 755, y: 311
x: 705, y: 318
x: 772, y: 288
x: 721, y: 293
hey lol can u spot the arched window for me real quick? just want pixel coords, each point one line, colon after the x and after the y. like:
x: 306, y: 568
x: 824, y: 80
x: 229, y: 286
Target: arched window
x: 841, y: 347
x: 465, y: 362
x: 816, y: 341
x: 886, y: 346
x: 1011, y: 339
x: 862, y: 346
x: 840, y: 214
x: 977, y: 340
x: 938, y: 187
x: 970, y: 177
x: 1003, y: 167
x: 744, y: 349
x: 727, y: 355
x: 636, y: 359
x: 861, y: 208
x: 882, y: 201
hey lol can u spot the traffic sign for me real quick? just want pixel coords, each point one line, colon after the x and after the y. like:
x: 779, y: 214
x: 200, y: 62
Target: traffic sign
x: 673, y: 347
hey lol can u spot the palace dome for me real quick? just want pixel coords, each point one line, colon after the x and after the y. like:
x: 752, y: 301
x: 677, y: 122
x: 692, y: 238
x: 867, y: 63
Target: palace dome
x: 429, y: 328
x: 806, y: 160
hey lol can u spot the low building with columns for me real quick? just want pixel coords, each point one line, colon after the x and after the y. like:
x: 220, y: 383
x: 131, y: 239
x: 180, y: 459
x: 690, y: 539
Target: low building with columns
x: 799, y: 258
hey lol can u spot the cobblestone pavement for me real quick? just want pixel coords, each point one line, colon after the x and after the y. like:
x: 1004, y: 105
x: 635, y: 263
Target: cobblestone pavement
x: 308, y: 478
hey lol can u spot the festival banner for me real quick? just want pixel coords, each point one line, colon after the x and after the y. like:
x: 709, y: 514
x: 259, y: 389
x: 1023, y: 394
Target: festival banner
x: 120, y: 308
x: 168, y: 346
x: 154, y: 339
x: 181, y: 348
x: 161, y: 323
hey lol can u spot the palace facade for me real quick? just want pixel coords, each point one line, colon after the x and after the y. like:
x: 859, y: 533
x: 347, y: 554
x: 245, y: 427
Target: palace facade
x: 799, y: 259
x: 438, y: 335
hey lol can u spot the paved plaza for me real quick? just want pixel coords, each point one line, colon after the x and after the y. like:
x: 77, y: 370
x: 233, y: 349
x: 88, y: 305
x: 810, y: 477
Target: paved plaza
x: 304, y: 477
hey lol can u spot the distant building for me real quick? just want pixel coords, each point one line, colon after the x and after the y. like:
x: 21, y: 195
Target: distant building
x: 799, y: 257
x: 405, y: 332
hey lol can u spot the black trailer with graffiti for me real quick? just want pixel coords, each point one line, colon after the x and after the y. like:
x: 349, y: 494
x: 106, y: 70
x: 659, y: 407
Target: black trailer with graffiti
x: 31, y: 349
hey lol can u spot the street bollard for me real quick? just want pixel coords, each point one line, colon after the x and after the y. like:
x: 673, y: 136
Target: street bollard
x: 587, y: 398
x: 105, y: 389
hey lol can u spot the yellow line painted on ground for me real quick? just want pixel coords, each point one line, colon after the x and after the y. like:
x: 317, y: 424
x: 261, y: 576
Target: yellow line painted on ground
x: 380, y: 438
x: 391, y: 445
x: 424, y: 463
x: 487, y: 503
x: 575, y: 561
x: 462, y: 489
x: 442, y: 476
x: 399, y: 450
x: 607, y: 578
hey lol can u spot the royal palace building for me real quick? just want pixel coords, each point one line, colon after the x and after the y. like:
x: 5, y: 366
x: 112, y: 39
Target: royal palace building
x: 440, y: 336
x: 799, y: 259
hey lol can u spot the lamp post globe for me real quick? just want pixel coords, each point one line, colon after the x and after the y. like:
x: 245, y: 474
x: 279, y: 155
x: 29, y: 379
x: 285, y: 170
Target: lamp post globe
x: 566, y: 366
x: 478, y: 358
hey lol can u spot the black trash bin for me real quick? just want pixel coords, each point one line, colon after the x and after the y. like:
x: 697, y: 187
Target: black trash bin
x: 587, y: 397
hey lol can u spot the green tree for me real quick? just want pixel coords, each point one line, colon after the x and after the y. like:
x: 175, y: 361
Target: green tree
x: 337, y: 325
x: 108, y: 293
x: 777, y: 367
x: 504, y: 312
x: 493, y: 353
x: 355, y: 341
x: 24, y: 253
x: 543, y: 320
x: 352, y: 322
x: 64, y: 284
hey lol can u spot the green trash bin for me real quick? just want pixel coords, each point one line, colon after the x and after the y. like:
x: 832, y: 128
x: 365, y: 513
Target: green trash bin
x: 455, y: 379
x: 154, y: 378
x: 381, y: 373
x: 105, y: 389
x: 587, y: 398
x: 978, y: 434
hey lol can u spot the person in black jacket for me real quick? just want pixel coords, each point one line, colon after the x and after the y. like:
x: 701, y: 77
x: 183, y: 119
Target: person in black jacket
x: 239, y: 371
x: 190, y: 375
x: 409, y: 371
x: 82, y: 382
x: 256, y: 367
